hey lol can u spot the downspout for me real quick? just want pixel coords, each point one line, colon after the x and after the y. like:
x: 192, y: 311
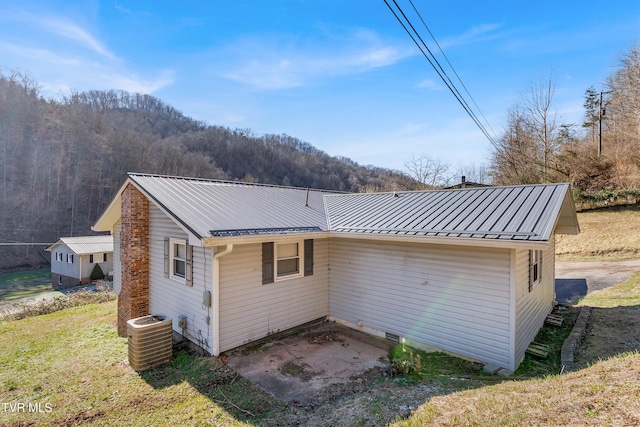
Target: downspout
x: 216, y: 297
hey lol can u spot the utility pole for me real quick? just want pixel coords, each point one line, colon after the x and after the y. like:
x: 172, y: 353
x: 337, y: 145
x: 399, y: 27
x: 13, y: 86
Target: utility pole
x: 601, y: 113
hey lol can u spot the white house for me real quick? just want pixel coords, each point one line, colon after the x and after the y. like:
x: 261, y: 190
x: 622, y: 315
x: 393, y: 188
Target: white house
x: 74, y: 258
x: 468, y: 271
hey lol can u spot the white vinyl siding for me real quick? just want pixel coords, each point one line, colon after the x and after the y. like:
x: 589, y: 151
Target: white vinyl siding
x: 115, y: 259
x: 532, y: 307
x: 250, y: 310
x: 66, y: 267
x: 173, y: 299
x: 451, y: 297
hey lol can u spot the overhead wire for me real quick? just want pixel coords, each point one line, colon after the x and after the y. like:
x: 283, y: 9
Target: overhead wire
x: 451, y: 66
x: 430, y: 57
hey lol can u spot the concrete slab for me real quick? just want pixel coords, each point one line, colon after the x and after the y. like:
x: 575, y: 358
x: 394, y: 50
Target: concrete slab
x: 298, y: 368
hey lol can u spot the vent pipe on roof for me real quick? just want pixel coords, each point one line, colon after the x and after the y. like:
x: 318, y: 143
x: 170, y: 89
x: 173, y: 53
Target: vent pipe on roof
x: 464, y: 180
x: 307, y: 202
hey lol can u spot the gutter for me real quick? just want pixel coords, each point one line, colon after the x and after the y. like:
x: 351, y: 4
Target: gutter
x: 216, y: 297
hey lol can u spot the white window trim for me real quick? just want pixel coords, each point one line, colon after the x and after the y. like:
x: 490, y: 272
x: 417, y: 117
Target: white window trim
x: 300, y: 257
x: 172, y: 275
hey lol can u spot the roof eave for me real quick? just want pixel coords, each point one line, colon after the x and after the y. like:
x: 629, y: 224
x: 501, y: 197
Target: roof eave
x: 112, y: 213
x: 441, y: 240
x: 259, y: 238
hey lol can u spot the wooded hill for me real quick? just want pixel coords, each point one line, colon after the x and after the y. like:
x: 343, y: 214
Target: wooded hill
x: 61, y: 161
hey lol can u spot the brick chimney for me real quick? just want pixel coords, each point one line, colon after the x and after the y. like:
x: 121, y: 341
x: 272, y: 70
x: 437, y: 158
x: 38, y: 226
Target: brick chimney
x: 133, y: 300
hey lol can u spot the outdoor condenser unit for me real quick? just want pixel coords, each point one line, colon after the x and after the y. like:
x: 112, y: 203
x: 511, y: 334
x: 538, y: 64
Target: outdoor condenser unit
x: 150, y: 341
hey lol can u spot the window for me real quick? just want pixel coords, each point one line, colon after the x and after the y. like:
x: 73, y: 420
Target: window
x: 177, y: 260
x: 91, y: 259
x: 286, y: 260
x: 104, y: 257
x: 535, y: 268
x: 70, y: 258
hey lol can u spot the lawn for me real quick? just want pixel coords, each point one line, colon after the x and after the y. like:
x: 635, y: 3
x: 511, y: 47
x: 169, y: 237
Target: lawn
x: 24, y: 284
x: 606, y: 234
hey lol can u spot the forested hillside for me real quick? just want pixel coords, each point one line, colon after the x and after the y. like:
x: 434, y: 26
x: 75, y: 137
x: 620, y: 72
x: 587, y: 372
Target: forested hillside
x: 61, y: 161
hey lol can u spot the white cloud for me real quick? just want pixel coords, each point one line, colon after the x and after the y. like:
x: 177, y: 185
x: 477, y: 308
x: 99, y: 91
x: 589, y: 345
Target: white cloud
x: 281, y: 63
x: 475, y: 34
x: 40, y: 44
x: 429, y: 84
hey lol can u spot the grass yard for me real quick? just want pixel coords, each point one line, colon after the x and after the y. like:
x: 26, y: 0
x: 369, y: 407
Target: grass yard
x: 606, y: 234
x: 24, y: 284
x: 73, y: 363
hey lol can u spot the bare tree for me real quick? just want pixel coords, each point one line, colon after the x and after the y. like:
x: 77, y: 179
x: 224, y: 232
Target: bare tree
x: 428, y: 171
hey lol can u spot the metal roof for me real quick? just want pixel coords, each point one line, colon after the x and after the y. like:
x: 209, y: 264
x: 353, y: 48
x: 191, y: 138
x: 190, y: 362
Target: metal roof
x: 210, y: 209
x: 83, y: 245
x: 517, y: 213
x: 223, y: 208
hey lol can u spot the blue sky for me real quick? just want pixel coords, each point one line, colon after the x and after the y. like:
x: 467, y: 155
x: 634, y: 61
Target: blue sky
x: 341, y: 75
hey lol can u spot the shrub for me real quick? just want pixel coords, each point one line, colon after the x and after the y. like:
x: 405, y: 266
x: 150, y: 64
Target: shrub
x: 96, y: 273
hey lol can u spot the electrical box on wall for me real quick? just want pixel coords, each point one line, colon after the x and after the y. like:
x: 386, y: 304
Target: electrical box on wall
x: 206, y: 298
x: 182, y: 322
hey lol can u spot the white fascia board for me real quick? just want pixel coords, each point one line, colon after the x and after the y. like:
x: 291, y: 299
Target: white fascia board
x: 460, y: 241
x: 260, y: 238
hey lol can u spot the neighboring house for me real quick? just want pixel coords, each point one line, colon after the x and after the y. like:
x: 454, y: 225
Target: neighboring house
x: 74, y: 258
x: 468, y: 271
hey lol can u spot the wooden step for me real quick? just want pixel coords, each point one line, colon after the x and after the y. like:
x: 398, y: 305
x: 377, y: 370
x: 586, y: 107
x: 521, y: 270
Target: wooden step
x: 539, y: 350
x: 554, y: 319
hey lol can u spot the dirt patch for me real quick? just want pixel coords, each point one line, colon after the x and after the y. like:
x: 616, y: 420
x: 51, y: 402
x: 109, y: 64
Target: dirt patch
x: 611, y: 331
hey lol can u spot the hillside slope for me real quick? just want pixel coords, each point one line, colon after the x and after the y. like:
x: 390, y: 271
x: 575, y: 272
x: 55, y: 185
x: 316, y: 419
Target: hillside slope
x: 61, y: 161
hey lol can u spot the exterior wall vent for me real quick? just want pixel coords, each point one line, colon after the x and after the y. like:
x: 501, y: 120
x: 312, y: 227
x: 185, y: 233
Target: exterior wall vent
x: 392, y: 337
x: 150, y: 341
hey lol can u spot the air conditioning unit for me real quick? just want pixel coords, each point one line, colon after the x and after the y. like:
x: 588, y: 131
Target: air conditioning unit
x: 150, y: 341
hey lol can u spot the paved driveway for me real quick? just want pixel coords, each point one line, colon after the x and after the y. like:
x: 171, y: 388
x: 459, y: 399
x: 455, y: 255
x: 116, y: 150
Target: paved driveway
x: 577, y: 279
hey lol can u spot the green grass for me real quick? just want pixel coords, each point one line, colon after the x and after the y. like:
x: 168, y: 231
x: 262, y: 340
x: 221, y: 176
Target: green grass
x: 24, y: 284
x: 74, y: 361
x: 626, y: 294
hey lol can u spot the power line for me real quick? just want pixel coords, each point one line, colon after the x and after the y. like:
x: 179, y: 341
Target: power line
x: 438, y: 69
x: 451, y: 66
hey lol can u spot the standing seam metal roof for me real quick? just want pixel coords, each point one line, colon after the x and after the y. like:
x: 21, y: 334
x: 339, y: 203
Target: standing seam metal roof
x: 524, y: 212
x: 211, y: 208
x: 83, y: 245
x: 222, y: 208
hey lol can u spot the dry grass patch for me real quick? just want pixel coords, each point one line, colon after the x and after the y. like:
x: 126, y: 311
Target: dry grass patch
x: 605, y: 234
x: 604, y: 394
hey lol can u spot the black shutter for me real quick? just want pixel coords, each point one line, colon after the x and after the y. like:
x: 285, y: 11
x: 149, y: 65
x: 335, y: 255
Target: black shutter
x: 530, y: 270
x: 267, y: 263
x: 308, y: 257
x: 166, y: 257
x: 188, y: 271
